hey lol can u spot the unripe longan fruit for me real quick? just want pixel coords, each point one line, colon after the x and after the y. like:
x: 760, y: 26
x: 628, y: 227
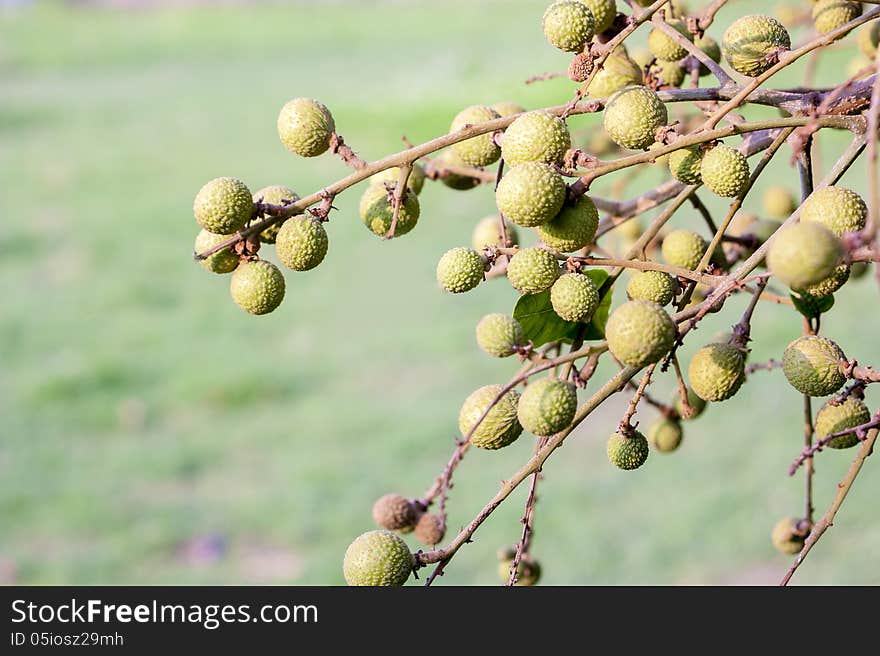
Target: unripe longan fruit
x: 305, y: 127
x: 683, y: 248
x: 668, y: 73
x: 499, y: 335
x: 639, y: 333
x: 390, y: 177
x: 812, y: 365
x: 460, y: 270
x: 573, y: 228
x: 429, y: 529
x: 488, y: 233
x: 618, y: 72
x: 717, y: 371
x: 779, y: 202
x: 664, y: 47
x: 301, y: 243
x: 532, y: 270
x: 223, y: 206
x: 868, y: 38
x: 696, y: 404
x: 455, y: 180
x: 838, y: 209
x: 547, y: 406
x: 836, y: 418
x: 500, y: 427
x: 804, y: 254
x: 838, y: 278
x: 725, y: 171
x: 684, y: 165
x: 274, y: 195
x: 395, y: 513
x: 506, y: 109
x: 480, y: 150
x: 530, y: 194
x: 655, y: 286
x: 710, y: 46
x: 377, y: 211
x: 257, y: 287
x: 224, y: 261
x: 528, y: 572
x: 787, y: 537
x: 749, y: 43
x: 603, y: 12
x: 574, y: 297
x: 627, y: 452
x: 535, y: 137
x: 665, y: 435
x: 568, y: 25
x: 632, y: 117
x: 377, y: 558
x: 828, y: 15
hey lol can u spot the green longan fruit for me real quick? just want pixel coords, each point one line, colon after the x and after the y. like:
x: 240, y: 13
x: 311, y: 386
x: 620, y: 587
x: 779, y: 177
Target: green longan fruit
x: 684, y: 165
x: 547, y: 406
x: 618, y: 71
x: 669, y: 73
x: 377, y: 211
x: 532, y: 270
x: 455, y: 180
x: 460, y: 270
x: 829, y: 285
x: 305, y: 127
x: 603, y: 12
x: 838, y: 209
x: 812, y: 365
x: 664, y: 47
x: 665, y: 435
x: 223, y: 206
x: 574, y: 297
x: 828, y: 15
x: 627, y: 452
x: 499, y: 335
x: 632, y: 117
x: 488, y: 233
x: 568, y: 25
x: 301, y: 243
x: 528, y: 572
x: 697, y: 405
x: 779, y: 202
x: 500, y: 427
x: 257, y: 287
x: 725, y: 171
x: 224, y: 261
x: 377, y: 558
x: 480, y: 150
x: 749, y: 43
x: 683, y: 248
x: 390, y: 177
x: 573, y: 228
x: 506, y: 109
x: 429, y: 529
x: 274, y: 195
x: 639, y: 333
x: 787, y: 537
x: 535, y: 137
x: 530, y: 194
x: 868, y: 38
x: 804, y: 254
x: 836, y: 418
x: 717, y: 371
x: 710, y: 46
x: 395, y: 513
x: 655, y: 286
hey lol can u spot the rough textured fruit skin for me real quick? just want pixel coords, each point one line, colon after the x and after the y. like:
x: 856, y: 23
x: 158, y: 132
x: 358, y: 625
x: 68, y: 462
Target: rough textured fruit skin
x: 274, y: 195
x: 603, y: 12
x: 377, y: 213
x: 568, y: 25
x: 257, y: 287
x: 868, y: 38
x: 804, y: 254
x: 835, y: 418
x: 535, y: 137
x: 717, y: 371
x: 811, y: 365
x: 684, y: 165
x: 697, y: 404
x: 500, y: 427
x: 829, y: 285
x: 499, y: 335
x: 506, y: 109
x: 632, y: 117
x: 750, y: 40
x: 665, y: 435
x: 627, y: 452
x: 618, y: 72
x: 725, y: 171
x: 639, y: 333
x: 429, y: 529
x: 532, y: 270
x: 664, y: 47
x: 476, y: 151
x: 828, y: 15
x: 655, y: 286
x: 547, y: 406
x: 301, y: 243
x: 838, y: 209
x: 305, y: 127
x: 528, y: 572
x: 683, y: 248
x: 395, y: 513
x: 488, y: 233
x: 710, y: 46
x: 223, y: 206
x: 460, y: 270
x: 530, y: 194
x: 377, y: 558
x: 454, y: 180
x: 786, y: 538
x: 778, y: 202
x: 416, y: 180
x: 574, y: 297
x: 573, y: 228
x: 224, y: 261
x: 669, y: 73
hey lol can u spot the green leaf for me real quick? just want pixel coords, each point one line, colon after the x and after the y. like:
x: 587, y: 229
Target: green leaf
x: 810, y: 306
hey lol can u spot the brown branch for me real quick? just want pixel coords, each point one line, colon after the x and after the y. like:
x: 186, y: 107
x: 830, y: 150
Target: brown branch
x: 770, y: 365
x: 545, y: 76
x: 625, y: 427
x: 339, y: 147
x: 527, y: 520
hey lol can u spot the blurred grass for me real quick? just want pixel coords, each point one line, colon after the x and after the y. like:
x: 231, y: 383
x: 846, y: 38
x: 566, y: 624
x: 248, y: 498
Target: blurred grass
x: 153, y: 433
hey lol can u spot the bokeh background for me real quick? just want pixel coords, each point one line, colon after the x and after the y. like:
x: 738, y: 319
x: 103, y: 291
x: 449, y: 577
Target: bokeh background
x: 152, y: 432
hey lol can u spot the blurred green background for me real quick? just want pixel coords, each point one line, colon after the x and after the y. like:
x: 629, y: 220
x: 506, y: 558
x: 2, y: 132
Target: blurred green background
x: 153, y: 433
